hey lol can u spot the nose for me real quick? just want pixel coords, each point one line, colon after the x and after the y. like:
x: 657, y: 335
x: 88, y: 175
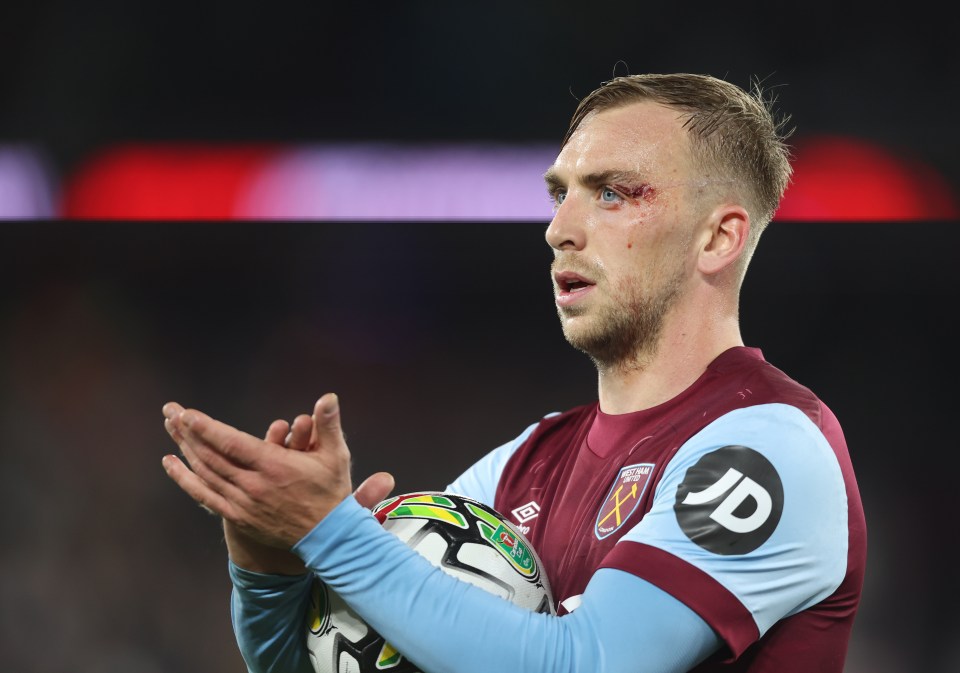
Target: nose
x: 566, y: 230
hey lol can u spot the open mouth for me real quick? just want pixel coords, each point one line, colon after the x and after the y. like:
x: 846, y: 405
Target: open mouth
x: 570, y: 282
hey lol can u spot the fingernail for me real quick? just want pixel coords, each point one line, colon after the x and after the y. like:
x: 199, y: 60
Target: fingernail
x: 330, y: 405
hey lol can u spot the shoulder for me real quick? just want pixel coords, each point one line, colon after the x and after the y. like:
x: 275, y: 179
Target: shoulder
x: 741, y: 377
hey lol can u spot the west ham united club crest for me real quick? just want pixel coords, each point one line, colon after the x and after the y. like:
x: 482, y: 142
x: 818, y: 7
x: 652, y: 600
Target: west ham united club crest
x: 623, y: 498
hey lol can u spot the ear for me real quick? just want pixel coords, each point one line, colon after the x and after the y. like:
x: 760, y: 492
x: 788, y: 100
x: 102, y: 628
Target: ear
x: 724, y: 239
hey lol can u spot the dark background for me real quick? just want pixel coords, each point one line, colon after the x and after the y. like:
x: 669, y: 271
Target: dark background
x: 440, y: 338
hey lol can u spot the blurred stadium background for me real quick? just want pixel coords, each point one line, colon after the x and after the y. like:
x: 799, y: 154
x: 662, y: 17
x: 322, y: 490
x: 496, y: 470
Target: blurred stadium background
x: 241, y: 207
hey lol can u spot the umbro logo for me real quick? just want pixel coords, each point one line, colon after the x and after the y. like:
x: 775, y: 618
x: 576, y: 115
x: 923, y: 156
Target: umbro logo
x: 525, y: 513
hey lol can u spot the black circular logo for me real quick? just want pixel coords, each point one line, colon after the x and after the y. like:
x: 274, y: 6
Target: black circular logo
x: 730, y: 502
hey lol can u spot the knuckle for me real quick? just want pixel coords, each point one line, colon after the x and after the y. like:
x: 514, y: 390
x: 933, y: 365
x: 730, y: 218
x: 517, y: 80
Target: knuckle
x: 254, y: 489
x: 229, y: 447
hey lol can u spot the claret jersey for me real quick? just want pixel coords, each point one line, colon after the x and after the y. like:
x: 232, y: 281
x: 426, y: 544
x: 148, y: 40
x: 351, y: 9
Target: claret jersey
x: 737, y: 497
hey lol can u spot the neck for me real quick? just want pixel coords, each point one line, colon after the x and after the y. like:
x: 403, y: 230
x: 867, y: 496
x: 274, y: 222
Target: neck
x: 687, y: 345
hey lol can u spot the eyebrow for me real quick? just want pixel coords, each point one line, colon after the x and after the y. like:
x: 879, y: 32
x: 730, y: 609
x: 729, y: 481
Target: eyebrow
x: 598, y: 179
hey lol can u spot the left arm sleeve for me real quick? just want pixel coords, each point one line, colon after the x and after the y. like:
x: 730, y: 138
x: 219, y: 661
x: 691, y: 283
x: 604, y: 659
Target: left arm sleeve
x: 268, y: 613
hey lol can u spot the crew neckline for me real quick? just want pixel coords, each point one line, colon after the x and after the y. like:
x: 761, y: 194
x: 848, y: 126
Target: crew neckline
x: 609, y: 432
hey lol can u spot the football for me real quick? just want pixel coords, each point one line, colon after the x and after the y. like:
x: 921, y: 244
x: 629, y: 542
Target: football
x: 464, y: 538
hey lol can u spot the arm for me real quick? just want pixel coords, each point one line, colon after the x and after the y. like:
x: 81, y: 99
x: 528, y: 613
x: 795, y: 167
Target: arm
x: 268, y: 609
x: 279, y: 496
x: 624, y: 623
x: 267, y: 613
x: 270, y: 583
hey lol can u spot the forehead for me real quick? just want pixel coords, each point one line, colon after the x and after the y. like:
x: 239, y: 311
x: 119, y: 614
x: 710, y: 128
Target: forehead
x: 644, y: 137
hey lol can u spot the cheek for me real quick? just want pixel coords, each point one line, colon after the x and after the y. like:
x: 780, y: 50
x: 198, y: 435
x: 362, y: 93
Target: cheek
x: 639, y: 234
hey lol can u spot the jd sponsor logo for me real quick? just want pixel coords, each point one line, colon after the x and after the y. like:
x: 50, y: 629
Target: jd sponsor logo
x: 730, y: 502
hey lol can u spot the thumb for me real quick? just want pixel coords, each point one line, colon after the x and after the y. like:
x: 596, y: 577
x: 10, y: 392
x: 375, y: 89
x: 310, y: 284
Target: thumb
x: 374, y: 488
x: 326, y: 421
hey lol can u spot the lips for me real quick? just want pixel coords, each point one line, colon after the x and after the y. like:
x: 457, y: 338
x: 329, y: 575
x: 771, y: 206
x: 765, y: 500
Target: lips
x: 568, y: 281
x: 571, y: 287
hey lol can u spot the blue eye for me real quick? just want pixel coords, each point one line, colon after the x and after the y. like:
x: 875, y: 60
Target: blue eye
x: 560, y: 197
x: 609, y: 196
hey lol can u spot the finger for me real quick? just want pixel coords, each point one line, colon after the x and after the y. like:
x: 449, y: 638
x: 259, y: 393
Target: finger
x: 208, y: 434
x: 171, y: 409
x: 300, y: 432
x: 210, y: 474
x: 276, y: 432
x: 374, y: 489
x: 169, y: 424
x: 193, y: 486
x: 326, y: 420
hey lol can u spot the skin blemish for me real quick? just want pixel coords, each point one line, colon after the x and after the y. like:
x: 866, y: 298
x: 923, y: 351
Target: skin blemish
x: 629, y: 244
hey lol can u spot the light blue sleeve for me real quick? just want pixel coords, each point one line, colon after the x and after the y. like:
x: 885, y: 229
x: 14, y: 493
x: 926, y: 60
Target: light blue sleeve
x: 268, y: 613
x: 623, y: 625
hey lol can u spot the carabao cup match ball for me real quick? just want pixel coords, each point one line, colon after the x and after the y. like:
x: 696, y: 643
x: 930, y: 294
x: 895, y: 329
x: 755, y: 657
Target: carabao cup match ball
x: 464, y: 538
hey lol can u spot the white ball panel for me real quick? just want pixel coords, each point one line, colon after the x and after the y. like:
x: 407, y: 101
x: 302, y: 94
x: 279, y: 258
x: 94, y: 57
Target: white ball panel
x: 405, y: 529
x: 348, y: 664
x: 346, y: 620
x: 433, y: 547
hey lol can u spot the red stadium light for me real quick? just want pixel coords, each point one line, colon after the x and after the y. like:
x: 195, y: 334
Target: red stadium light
x: 843, y: 179
x: 164, y: 182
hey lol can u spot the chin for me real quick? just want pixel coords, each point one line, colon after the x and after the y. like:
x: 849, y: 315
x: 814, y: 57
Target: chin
x: 576, y: 327
x: 584, y: 337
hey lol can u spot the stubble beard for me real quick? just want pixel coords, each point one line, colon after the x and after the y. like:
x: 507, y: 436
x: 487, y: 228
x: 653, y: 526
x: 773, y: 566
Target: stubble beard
x: 624, y: 335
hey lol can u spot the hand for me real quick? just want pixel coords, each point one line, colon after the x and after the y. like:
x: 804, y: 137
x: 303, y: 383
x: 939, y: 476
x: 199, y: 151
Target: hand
x: 248, y: 553
x: 301, y: 435
x: 264, y: 491
x: 245, y: 551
